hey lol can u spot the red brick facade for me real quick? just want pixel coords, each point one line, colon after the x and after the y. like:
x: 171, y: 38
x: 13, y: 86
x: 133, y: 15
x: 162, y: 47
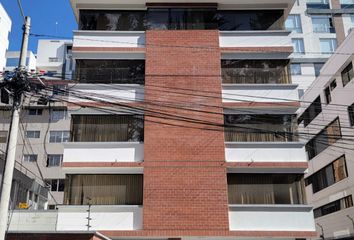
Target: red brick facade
x: 185, y: 184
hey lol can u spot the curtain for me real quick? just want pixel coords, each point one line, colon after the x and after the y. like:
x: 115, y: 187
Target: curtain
x: 107, y: 128
x: 105, y: 190
x: 340, y: 169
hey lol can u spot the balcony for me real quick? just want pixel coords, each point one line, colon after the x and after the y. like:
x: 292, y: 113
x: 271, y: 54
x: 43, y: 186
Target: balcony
x: 271, y: 218
x: 114, y: 152
x: 268, y: 38
x: 108, y: 39
x: 261, y: 152
x: 74, y: 218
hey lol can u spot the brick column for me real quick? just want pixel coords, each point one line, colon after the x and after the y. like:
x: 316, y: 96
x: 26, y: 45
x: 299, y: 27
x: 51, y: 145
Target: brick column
x: 338, y: 22
x: 185, y: 185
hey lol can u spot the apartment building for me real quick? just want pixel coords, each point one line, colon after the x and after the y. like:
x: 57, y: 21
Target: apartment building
x: 5, y: 26
x: 54, y: 58
x: 13, y: 58
x: 318, y: 27
x: 182, y: 120
x: 327, y: 116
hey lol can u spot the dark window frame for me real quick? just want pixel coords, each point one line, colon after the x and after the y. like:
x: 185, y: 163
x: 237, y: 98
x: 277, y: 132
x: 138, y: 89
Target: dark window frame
x: 347, y: 74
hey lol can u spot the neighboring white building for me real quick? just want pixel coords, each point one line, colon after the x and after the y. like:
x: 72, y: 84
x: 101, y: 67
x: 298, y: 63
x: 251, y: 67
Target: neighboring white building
x: 327, y: 117
x: 12, y: 60
x: 318, y: 27
x: 5, y: 28
x: 54, y: 58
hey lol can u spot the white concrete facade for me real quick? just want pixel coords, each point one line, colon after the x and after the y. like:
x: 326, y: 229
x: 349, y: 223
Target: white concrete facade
x: 336, y: 224
x: 12, y: 60
x: 5, y: 29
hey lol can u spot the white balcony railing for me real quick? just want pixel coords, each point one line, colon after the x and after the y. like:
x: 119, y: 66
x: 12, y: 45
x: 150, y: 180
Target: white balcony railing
x: 109, y: 39
x: 255, y: 39
x: 260, y: 152
x: 271, y: 218
x: 88, y: 152
x: 74, y: 218
x: 259, y: 92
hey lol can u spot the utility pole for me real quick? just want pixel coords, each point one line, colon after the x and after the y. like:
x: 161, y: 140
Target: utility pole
x: 18, y: 85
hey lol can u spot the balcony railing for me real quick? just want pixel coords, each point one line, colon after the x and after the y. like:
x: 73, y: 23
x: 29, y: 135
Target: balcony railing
x: 256, y: 76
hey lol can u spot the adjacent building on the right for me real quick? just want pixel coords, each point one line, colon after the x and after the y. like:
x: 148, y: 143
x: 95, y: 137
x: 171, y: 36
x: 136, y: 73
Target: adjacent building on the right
x: 318, y: 27
x: 327, y: 120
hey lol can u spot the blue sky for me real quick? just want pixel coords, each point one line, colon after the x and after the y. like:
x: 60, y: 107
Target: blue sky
x: 44, y: 14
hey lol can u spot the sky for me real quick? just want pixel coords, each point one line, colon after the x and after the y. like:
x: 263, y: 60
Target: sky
x: 44, y: 16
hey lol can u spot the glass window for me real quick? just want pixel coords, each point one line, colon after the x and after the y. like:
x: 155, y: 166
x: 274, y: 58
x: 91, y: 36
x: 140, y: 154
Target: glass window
x: 55, y: 185
x: 108, y: 128
x: 54, y: 160
x: 333, y: 84
x: 265, y: 188
x: 59, y: 114
x: 329, y: 175
x: 347, y: 74
x: 317, y: 68
x: 112, y: 20
x: 33, y: 134
x: 347, y: 4
x: 260, y: 128
x: 351, y: 114
x: 295, y: 69
x: 30, y: 158
x: 3, y: 136
x: 325, y: 138
x: 60, y: 90
x: 352, y: 20
x: 122, y: 189
x: 322, y: 24
x: 328, y: 45
x: 311, y: 112
x: 255, y: 71
x: 250, y: 20
x: 35, y: 112
x: 110, y: 71
x: 301, y: 93
x: 293, y: 23
x: 327, y: 93
x: 298, y: 44
x: 318, y: 4
x: 59, y: 136
x: 335, y: 206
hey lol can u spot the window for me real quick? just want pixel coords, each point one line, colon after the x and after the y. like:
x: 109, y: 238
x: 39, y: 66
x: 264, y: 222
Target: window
x: 54, y: 160
x: 301, y: 93
x: 335, y: 206
x: 329, y: 175
x: 351, y: 114
x: 59, y: 136
x: 311, y: 112
x: 298, y: 44
x: 33, y: 134
x: 3, y: 136
x: 54, y: 59
x: 328, y: 45
x: 317, y: 68
x: 333, y: 84
x: 347, y: 4
x: 260, y: 128
x: 112, y: 20
x: 111, y: 71
x: 325, y: 138
x: 322, y: 24
x: 55, y: 185
x: 30, y: 158
x: 327, y: 93
x: 35, y: 112
x: 347, y: 74
x: 59, y: 114
x: 255, y: 71
x: 119, y: 189
x: 295, y: 69
x: 293, y: 23
x: 265, y: 188
x: 352, y: 20
x: 318, y: 4
x: 107, y: 128
x: 252, y: 20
